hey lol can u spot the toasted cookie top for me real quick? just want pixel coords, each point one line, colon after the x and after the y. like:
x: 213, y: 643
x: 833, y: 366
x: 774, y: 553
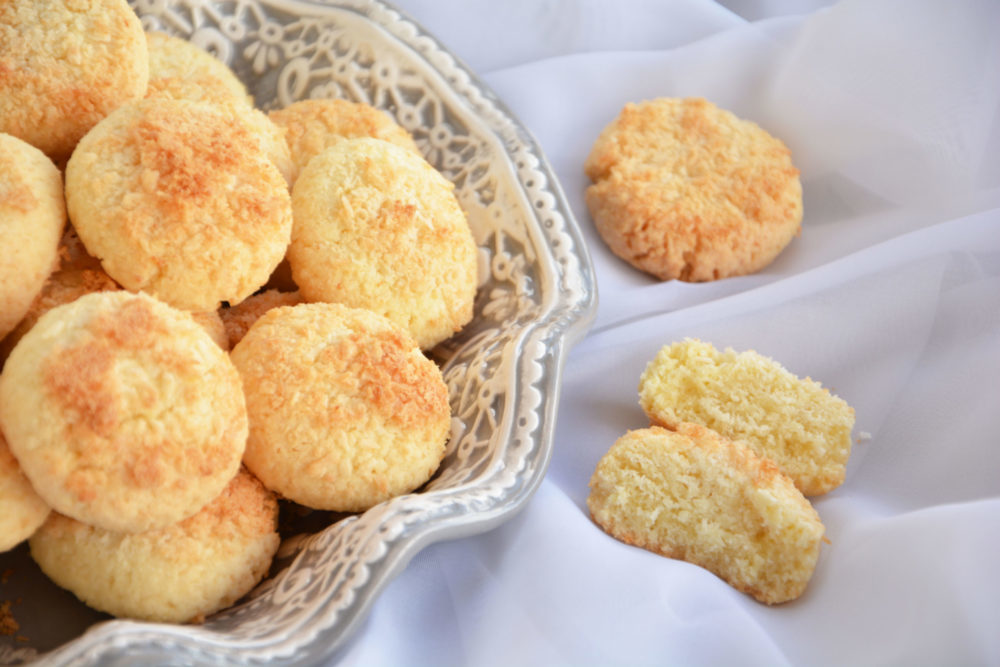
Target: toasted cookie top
x: 123, y: 412
x: 178, y: 199
x: 64, y: 65
x: 683, y: 189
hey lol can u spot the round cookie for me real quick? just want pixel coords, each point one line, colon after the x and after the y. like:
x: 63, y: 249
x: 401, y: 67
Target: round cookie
x: 123, y: 412
x: 377, y: 227
x: 314, y: 125
x: 177, y: 574
x: 178, y: 200
x: 345, y: 411
x: 32, y: 217
x: 682, y: 189
x: 65, y: 66
x: 23, y: 511
x: 182, y: 71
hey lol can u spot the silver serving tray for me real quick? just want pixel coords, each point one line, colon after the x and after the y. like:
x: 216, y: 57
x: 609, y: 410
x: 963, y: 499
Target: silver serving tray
x: 537, y: 296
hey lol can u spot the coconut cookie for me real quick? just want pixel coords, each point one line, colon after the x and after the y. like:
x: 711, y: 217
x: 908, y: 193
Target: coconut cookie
x: 804, y: 428
x: 65, y: 66
x: 314, y: 125
x: 345, y: 411
x: 682, y: 189
x: 696, y: 496
x: 32, y: 217
x: 123, y: 412
x: 177, y: 199
x: 377, y: 227
x: 180, y: 573
x: 183, y: 71
x: 23, y: 511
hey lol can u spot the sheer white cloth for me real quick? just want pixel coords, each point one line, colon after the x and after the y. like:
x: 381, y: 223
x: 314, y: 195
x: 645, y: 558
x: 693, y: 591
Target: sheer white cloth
x: 891, y: 297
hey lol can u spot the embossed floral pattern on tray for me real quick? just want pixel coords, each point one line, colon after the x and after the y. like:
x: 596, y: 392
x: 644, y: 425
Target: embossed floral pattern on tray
x: 536, y: 297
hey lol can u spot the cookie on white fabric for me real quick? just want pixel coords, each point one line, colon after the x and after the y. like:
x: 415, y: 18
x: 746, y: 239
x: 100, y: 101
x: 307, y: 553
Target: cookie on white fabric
x: 696, y: 496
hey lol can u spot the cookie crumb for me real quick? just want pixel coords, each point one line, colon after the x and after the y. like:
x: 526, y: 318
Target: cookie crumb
x: 9, y: 626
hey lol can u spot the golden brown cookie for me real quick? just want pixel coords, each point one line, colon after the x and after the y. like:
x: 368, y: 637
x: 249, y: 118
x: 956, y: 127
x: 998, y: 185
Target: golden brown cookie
x: 177, y: 199
x: 682, y: 189
x: 177, y: 574
x: 345, y: 411
x: 123, y: 412
x: 746, y: 396
x: 377, y: 227
x: 65, y: 65
x: 314, y: 125
x: 238, y: 319
x: 696, y: 496
x: 32, y: 217
x: 23, y: 511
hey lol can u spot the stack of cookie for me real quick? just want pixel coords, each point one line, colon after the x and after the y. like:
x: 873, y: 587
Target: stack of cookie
x: 720, y: 479
x: 229, y: 317
x: 685, y: 190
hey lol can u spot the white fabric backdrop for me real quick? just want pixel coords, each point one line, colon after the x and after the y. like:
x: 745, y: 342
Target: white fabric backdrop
x: 891, y: 297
